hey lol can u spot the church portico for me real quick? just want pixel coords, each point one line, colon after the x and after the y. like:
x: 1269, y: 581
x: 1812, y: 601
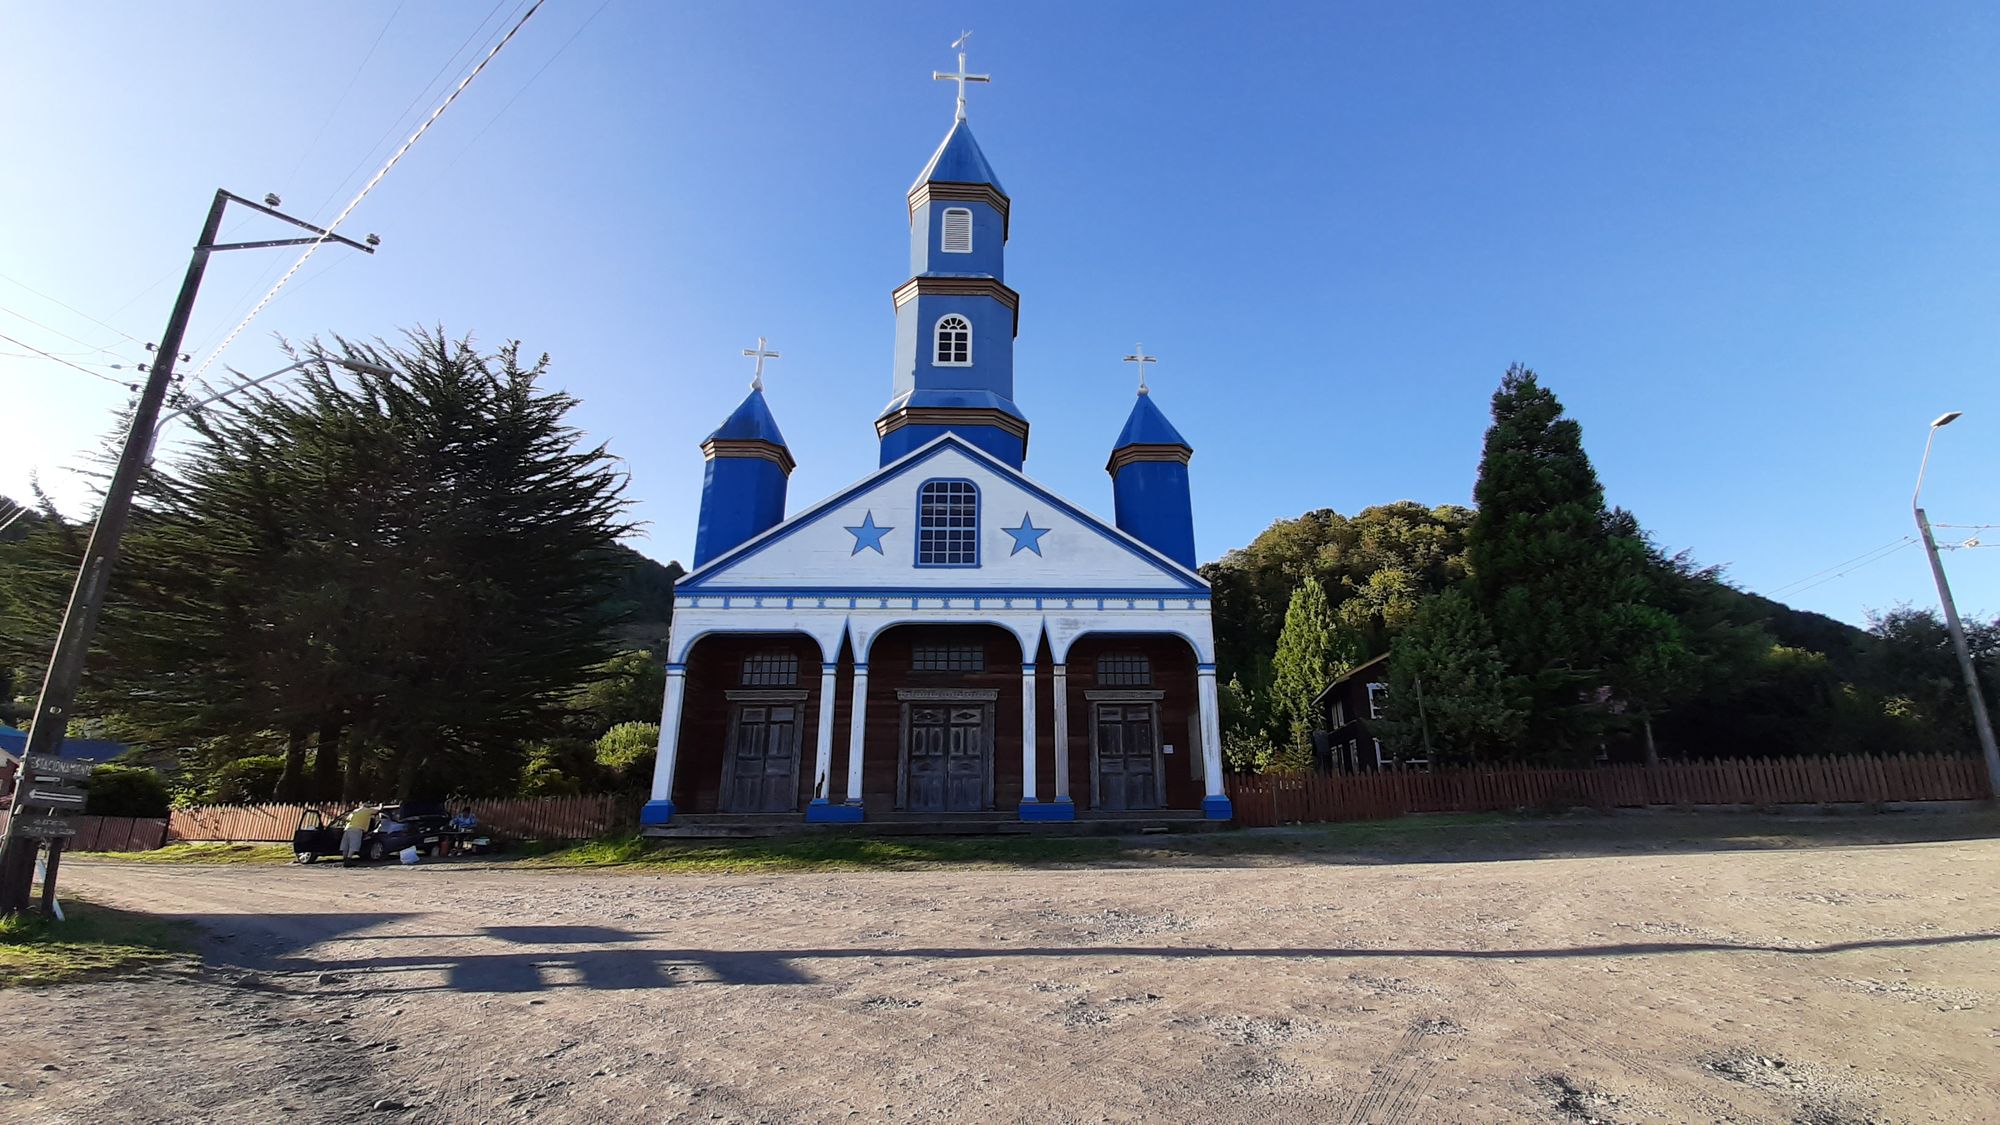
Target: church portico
x: 946, y: 638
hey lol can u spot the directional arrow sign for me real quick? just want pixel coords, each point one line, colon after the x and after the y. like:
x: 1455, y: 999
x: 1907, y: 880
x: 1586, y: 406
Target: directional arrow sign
x: 58, y: 767
x: 51, y: 795
x: 43, y: 827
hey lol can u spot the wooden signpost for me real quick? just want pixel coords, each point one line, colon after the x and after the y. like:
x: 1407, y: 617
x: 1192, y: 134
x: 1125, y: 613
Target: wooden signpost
x: 46, y: 784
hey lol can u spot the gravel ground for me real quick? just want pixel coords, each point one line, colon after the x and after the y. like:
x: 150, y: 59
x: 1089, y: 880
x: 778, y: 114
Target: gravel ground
x: 1649, y: 982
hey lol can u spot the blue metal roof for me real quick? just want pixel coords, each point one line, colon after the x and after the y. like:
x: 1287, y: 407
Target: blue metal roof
x: 1147, y: 426
x: 752, y: 421
x: 958, y: 161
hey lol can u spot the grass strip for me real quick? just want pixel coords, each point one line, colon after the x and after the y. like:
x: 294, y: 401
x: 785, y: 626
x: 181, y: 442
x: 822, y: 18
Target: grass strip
x: 204, y: 853
x: 92, y: 941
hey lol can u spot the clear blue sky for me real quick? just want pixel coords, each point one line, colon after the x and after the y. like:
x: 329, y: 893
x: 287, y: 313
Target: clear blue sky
x: 1755, y: 248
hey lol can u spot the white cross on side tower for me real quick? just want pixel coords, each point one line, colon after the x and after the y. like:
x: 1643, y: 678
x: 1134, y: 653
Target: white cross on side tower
x: 960, y: 76
x: 1140, y: 357
x: 761, y: 354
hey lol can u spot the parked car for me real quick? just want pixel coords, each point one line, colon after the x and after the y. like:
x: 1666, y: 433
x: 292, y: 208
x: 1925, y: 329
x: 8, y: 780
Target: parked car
x: 395, y: 829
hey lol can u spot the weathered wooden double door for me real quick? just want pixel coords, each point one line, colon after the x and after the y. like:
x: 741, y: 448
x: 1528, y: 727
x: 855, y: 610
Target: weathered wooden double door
x: 949, y: 767
x: 761, y: 769
x: 1128, y: 761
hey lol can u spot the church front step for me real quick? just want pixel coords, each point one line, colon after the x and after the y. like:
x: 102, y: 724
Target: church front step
x: 715, y: 826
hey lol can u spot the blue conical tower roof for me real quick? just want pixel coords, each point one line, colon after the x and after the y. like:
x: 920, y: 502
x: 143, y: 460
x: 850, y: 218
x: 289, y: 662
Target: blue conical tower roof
x: 752, y: 421
x: 1148, y: 426
x: 958, y: 161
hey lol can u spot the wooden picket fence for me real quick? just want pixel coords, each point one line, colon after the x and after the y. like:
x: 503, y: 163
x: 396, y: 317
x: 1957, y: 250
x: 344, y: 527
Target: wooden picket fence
x: 1266, y: 800
x: 537, y: 818
x: 111, y: 833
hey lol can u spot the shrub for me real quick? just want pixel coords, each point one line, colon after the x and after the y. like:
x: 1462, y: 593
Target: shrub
x: 125, y: 791
x: 627, y: 751
x: 254, y: 778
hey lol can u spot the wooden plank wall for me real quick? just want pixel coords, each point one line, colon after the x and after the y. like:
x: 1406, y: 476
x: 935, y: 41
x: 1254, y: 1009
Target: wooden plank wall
x: 1312, y: 798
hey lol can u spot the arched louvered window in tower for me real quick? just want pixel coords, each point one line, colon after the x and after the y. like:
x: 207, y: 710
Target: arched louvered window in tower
x: 948, y: 523
x: 957, y: 231
x: 954, y: 342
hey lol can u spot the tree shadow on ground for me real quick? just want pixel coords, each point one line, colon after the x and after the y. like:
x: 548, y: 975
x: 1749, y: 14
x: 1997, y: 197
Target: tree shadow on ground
x: 548, y: 969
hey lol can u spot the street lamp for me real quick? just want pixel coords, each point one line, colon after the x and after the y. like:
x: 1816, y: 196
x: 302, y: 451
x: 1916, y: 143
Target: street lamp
x: 1980, y: 722
x: 358, y: 366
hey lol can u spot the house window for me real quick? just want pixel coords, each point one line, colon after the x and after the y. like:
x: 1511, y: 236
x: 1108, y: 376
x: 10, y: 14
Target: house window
x: 957, y: 231
x: 954, y: 342
x: 1124, y: 669
x: 948, y: 523
x: 1378, y: 700
x: 770, y: 669
x: 947, y: 658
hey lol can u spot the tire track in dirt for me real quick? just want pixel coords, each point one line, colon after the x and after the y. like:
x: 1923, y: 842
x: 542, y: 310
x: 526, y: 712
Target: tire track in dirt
x: 1402, y: 1077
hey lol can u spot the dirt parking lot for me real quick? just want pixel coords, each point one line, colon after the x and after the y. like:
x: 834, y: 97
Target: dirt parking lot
x: 1614, y: 970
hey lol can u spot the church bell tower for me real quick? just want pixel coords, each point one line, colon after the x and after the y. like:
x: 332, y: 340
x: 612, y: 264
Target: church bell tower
x: 955, y: 317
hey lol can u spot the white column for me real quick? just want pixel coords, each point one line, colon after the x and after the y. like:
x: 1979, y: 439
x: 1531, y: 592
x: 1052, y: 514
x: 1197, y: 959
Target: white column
x: 1061, y: 681
x: 857, y: 733
x: 1211, y: 730
x: 1030, y: 790
x: 661, y: 808
x: 823, y: 748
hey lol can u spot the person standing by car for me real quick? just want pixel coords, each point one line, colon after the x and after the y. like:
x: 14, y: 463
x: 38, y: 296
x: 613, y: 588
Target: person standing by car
x: 358, y: 823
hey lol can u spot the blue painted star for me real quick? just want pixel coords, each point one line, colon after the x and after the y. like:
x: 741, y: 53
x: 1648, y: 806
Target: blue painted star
x: 1026, y: 537
x: 868, y: 535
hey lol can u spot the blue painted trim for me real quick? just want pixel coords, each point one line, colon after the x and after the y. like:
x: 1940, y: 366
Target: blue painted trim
x: 826, y: 812
x: 1204, y: 667
x: 935, y: 592
x: 1217, y: 807
x: 825, y: 667
x: 721, y: 563
x: 657, y: 812
x: 1040, y: 811
x: 673, y: 667
x: 861, y: 666
x: 978, y: 518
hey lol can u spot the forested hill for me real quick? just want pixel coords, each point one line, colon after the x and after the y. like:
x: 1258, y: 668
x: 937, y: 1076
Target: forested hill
x: 646, y: 592
x: 1379, y: 565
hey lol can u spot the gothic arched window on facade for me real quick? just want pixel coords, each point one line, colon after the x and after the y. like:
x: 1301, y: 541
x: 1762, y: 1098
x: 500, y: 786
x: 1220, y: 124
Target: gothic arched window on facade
x: 948, y: 523
x: 957, y: 236
x: 954, y: 341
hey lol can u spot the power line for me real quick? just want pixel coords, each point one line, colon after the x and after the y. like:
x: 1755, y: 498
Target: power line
x: 524, y: 86
x: 70, y: 307
x: 396, y: 124
x: 1907, y: 541
x: 346, y: 90
x: 67, y: 363
x: 1891, y: 545
x: 368, y: 187
x: 94, y: 349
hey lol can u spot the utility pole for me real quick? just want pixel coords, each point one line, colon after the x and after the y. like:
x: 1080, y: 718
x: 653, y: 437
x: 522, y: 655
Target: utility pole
x: 1982, y: 724
x: 86, y: 600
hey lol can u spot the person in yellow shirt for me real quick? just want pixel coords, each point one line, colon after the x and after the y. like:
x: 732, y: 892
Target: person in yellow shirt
x: 358, y: 823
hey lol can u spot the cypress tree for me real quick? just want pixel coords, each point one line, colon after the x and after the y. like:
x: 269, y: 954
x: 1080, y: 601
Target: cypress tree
x: 1568, y: 585
x: 1451, y: 697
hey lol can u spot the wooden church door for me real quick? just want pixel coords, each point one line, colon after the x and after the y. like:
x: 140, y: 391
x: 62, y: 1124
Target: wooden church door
x: 761, y: 773
x: 949, y: 757
x: 1128, y: 761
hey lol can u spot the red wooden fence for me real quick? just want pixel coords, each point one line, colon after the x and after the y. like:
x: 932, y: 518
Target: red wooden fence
x: 539, y: 818
x: 111, y: 833
x: 1261, y: 801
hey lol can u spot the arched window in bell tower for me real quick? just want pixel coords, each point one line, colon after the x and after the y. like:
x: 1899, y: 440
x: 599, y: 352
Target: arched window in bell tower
x: 954, y: 342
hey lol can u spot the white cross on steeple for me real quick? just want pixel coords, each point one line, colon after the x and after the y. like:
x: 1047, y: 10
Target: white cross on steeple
x: 960, y: 76
x: 757, y: 381
x: 1140, y: 357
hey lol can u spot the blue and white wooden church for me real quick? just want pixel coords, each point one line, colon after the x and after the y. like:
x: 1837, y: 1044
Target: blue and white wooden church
x: 946, y: 637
